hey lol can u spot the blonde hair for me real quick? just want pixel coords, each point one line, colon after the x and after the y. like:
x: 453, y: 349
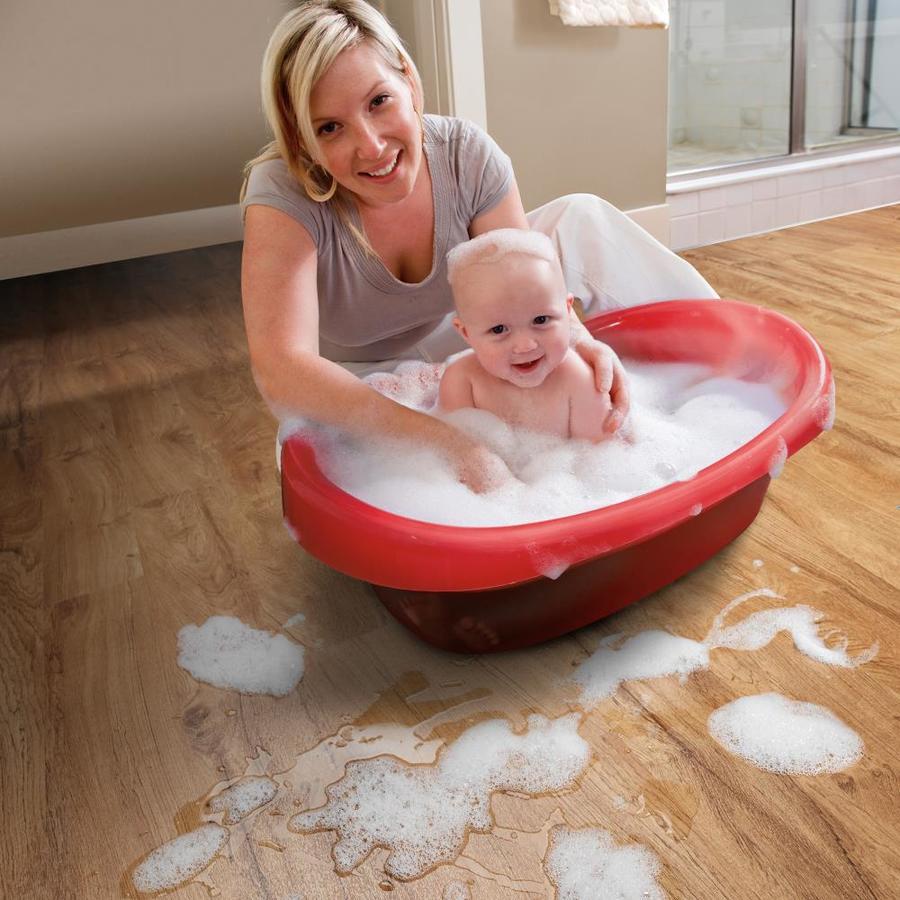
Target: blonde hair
x: 302, y: 47
x: 493, y: 246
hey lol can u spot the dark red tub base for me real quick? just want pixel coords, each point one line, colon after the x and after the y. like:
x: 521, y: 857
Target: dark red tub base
x: 535, y: 611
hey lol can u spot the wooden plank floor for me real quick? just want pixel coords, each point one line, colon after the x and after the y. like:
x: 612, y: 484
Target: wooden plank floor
x: 139, y: 494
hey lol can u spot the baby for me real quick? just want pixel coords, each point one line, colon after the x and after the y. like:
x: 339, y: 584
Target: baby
x: 513, y: 310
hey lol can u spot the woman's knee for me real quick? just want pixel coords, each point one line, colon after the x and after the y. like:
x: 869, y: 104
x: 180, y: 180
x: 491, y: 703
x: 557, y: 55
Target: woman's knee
x: 587, y: 203
x: 577, y: 209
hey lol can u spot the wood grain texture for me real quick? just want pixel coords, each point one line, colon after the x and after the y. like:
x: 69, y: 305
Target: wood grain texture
x: 139, y: 494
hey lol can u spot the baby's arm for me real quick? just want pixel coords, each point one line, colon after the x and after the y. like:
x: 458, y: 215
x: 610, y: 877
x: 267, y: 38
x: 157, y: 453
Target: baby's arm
x: 455, y: 391
x: 588, y: 407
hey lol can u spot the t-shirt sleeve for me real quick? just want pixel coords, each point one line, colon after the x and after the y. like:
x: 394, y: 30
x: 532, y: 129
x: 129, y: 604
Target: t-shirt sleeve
x: 271, y: 183
x: 485, y: 171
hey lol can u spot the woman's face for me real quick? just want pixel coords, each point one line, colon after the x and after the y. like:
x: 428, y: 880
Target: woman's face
x: 368, y: 132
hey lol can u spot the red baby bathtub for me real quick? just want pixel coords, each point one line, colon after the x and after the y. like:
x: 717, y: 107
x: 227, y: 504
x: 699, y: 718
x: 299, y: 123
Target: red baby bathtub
x: 486, y: 589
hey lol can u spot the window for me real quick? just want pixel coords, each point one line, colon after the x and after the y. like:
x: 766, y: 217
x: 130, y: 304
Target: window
x: 751, y: 81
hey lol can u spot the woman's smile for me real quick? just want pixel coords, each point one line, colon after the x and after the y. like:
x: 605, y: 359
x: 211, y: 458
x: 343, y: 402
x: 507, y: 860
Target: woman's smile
x: 384, y: 172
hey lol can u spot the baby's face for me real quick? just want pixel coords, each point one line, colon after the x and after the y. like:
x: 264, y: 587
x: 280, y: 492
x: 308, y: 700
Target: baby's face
x: 515, y: 316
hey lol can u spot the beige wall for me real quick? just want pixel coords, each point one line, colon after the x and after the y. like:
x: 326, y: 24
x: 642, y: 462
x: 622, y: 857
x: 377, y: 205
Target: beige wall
x: 119, y: 110
x: 115, y: 111
x: 577, y: 109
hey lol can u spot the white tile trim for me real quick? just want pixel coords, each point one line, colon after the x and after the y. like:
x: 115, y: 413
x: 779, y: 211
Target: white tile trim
x: 87, y: 245
x: 677, y: 185
x: 789, y: 167
x: 760, y: 200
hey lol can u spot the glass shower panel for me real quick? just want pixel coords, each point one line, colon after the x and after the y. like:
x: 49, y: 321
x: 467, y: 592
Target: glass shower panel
x: 853, y: 71
x: 729, y: 81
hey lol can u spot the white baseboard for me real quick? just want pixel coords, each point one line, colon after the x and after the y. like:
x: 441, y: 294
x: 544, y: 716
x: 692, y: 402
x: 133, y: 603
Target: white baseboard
x: 654, y: 219
x: 87, y: 245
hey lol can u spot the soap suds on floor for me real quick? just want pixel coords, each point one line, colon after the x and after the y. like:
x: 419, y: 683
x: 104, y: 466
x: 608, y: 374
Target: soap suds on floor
x: 656, y: 654
x: 801, y: 622
x: 587, y: 864
x: 456, y: 890
x: 647, y: 654
x: 180, y: 859
x: 785, y: 736
x: 421, y: 810
x: 226, y: 653
x: 243, y: 798
x: 422, y: 814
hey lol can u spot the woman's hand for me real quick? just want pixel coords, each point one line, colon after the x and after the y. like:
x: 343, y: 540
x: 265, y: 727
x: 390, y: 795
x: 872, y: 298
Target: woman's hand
x: 478, y: 468
x: 609, y: 376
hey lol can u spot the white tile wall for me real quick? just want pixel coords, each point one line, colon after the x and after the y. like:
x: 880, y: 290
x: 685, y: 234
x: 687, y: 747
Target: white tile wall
x: 711, y: 227
x: 754, y: 202
x: 729, y: 75
x: 764, y: 189
x: 762, y: 216
x: 684, y: 232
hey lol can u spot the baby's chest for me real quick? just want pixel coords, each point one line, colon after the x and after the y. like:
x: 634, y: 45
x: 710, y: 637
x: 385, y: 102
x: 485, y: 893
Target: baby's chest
x: 531, y: 408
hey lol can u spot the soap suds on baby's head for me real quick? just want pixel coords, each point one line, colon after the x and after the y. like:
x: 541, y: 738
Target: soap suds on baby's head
x: 225, y: 652
x: 493, y: 246
x: 785, y: 736
x: 682, y: 420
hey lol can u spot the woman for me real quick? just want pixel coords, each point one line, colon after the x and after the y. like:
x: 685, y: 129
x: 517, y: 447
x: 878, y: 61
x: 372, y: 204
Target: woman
x: 349, y: 214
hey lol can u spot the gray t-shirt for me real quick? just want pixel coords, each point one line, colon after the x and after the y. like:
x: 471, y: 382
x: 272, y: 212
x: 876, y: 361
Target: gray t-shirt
x: 365, y: 313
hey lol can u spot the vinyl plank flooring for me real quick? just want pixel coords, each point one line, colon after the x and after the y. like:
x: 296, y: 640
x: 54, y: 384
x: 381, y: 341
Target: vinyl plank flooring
x: 139, y: 495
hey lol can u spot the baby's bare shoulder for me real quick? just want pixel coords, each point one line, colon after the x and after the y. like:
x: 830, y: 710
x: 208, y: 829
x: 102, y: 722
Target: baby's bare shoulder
x: 461, y: 362
x: 575, y: 374
x: 455, y: 389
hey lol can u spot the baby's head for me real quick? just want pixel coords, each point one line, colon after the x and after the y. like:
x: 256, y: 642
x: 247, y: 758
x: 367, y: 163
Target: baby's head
x: 511, y: 303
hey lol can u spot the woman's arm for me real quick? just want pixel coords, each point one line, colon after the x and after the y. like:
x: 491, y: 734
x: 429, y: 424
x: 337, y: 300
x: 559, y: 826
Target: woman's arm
x: 588, y: 408
x: 609, y: 374
x: 281, y: 316
x: 508, y: 213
